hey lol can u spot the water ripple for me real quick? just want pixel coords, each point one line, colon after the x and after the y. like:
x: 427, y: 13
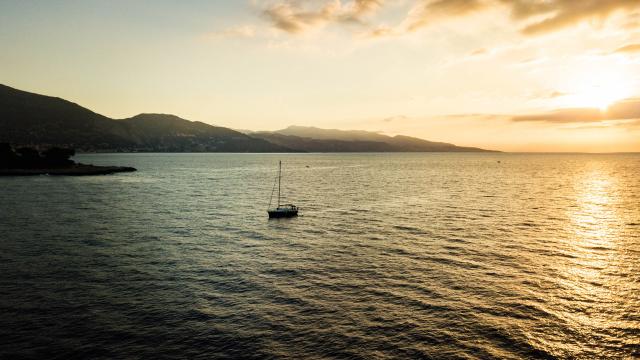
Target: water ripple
x: 424, y: 256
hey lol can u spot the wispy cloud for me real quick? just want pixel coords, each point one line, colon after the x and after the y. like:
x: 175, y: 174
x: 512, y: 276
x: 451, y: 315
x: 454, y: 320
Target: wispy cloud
x: 474, y: 115
x: 622, y: 112
x: 290, y: 18
x: 535, y: 16
x: 244, y: 31
x: 297, y: 16
x: 539, y: 16
x: 479, y: 52
x: 565, y: 13
x: 556, y: 94
x: 630, y: 48
x: 607, y: 124
x: 546, y: 94
x: 564, y: 116
x: 424, y: 13
x: 628, y: 109
x: 360, y: 8
x: 395, y: 118
x: 381, y: 31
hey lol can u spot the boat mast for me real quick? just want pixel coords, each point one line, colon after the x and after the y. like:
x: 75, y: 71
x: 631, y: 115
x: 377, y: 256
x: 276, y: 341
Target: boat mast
x: 279, y: 176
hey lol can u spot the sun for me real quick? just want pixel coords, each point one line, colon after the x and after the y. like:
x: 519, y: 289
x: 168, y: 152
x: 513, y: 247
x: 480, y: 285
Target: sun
x: 599, y: 96
x: 599, y: 88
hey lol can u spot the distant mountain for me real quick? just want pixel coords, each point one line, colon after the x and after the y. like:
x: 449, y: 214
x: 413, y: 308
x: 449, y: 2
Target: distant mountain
x: 31, y: 119
x: 323, y: 145
x: 36, y: 120
x: 332, y: 134
x: 160, y: 132
x: 329, y: 140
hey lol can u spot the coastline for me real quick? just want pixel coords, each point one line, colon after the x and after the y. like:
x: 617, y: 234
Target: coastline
x: 75, y: 170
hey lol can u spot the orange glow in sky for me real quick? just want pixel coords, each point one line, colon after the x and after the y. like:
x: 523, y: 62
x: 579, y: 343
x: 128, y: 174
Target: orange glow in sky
x: 482, y: 73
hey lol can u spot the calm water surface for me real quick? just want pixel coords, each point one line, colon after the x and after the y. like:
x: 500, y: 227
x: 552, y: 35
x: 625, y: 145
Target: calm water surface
x: 396, y: 256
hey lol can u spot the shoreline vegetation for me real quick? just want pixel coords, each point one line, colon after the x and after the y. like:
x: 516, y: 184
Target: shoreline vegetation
x: 26, y: 161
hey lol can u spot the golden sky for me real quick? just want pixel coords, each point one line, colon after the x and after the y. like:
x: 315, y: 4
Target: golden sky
x: 512, y: 75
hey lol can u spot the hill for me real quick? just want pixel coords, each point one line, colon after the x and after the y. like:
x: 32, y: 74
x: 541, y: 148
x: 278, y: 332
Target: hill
x: 169, y: 133
x: 322, y: 145
x: 29, y: 119
x: 37, y: 120
x: 331, y: 140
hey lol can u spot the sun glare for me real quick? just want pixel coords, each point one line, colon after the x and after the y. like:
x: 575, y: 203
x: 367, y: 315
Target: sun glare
x: 599, y: 89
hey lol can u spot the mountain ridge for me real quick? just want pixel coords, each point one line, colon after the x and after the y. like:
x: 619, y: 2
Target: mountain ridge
x: 310, y: 138
x: 38, y: 120
x: 32, y: 119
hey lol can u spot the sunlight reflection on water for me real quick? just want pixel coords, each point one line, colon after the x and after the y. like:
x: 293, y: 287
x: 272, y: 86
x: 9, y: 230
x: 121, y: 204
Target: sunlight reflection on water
x: 593, y: 276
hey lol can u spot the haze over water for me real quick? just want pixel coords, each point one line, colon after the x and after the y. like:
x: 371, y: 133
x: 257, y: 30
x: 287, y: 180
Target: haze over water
x: 395, y: 256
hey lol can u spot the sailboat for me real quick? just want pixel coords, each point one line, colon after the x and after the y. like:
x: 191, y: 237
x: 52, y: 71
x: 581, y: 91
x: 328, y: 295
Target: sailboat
x: 281, y: 210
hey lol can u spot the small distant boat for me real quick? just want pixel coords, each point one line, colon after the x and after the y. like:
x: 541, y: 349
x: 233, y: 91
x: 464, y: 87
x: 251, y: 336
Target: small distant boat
x: 281, y: 210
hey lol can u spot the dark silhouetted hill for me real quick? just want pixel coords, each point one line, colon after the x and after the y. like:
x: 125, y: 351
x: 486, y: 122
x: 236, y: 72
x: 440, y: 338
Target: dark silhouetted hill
x: 161, y: 132
x: 37, y: 120
x: 28, y: 119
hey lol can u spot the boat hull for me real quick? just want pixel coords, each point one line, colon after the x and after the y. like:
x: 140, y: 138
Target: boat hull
x: 275, y: 214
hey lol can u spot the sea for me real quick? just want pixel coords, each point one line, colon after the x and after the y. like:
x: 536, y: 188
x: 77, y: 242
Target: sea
x: 393, y: 256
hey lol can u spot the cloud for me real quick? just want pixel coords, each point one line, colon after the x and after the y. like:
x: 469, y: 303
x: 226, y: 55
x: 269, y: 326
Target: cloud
x: 631, y: 48
x: 533, y: 17
x: 564, y: 116
x: 479, y: 52
x: 360, y: 8
x: 245, y: 31
x: 625, y: 109
x: 556, y: 14
x: 395, y: 118
x: 294, y: 17
x: 425, y: 12
x: 608, y: 124
x: 564, y: 13
x: 632, y: 21
x: 556, y: 94
x: 547, y: 94
x: 536, y: 16
x: 381, y: 31
x: 624, y: 113
x: 477, y: 116
x: 628, y: 109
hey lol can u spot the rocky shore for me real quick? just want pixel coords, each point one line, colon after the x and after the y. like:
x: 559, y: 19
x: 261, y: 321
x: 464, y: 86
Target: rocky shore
x: 74, y: 170
x: 27, y: 161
